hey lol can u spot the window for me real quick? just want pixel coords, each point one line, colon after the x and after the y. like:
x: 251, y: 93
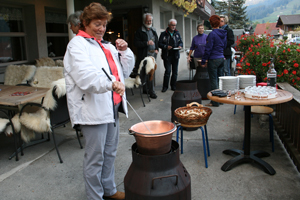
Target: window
x: 12, y: 35
x: 162, y: 20
x: 57, y: 32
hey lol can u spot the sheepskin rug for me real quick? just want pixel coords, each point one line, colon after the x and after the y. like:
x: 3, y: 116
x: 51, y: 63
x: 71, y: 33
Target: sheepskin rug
x: 49, y: 102
x: 38, y: 121
x: 151, y: 66
x: 46, y: 75
x: 17, y: 74
x: 3, y: 124
x: 46, y: 61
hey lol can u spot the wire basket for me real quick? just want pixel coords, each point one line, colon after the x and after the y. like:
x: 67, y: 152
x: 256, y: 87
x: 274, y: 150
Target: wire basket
x: 193, y: 116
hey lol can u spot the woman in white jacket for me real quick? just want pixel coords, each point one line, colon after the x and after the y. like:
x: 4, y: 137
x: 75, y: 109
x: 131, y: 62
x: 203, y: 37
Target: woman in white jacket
x: 94, y: 100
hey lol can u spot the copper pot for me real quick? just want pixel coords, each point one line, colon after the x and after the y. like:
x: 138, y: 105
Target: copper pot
x: 156, y: 142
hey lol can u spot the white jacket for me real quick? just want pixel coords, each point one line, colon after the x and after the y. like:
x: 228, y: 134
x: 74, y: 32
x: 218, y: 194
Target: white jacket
x: 89, y: 91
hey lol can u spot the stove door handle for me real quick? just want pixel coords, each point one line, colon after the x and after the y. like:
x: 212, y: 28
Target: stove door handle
x: 160, y: 177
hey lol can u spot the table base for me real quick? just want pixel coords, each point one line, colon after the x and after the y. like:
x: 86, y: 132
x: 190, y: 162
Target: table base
x: 241, y: 158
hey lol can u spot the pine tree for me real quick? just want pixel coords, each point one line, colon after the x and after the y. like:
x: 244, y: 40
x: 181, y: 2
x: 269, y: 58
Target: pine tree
x: 221, y: 7
x: 237, y: 14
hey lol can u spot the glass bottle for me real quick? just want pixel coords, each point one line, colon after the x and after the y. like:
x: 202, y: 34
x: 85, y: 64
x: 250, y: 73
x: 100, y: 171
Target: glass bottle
x: 271, y: 74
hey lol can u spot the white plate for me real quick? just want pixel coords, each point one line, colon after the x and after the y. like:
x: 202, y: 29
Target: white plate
x: 228, y: 77
x: 246, y: 76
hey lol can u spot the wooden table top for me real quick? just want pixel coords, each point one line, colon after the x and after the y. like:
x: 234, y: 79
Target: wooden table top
x: 7, y: 99
x: 281, y: 97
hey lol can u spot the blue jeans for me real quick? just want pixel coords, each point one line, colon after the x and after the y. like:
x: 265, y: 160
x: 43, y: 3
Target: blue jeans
x: 227, y: 64
x: 171, y: 63
x: 215, y: 68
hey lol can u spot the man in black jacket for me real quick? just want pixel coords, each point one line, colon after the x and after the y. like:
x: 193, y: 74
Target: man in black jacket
x: 230, y: 42
x: 146, y: 41
x: 170, y: 42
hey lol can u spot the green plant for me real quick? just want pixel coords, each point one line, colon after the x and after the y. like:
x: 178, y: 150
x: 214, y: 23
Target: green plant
x: 256, y: 60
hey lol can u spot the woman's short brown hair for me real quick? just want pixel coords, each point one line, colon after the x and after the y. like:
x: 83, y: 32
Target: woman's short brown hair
x: 199, y: 26
x: 214, y: 21
x: 94, y: 11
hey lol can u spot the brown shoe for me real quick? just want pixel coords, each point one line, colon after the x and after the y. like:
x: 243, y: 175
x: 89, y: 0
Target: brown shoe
x: 119, y: 195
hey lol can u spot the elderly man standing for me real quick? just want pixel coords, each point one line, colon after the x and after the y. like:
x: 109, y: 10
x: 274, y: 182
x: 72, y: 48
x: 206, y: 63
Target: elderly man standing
x: 74, y: 20
x: 146, y: 41
x: 170, y: 42
x: 230, y: 42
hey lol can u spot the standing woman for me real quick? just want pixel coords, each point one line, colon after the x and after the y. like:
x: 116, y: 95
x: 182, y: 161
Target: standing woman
x: 214, y: 54
x: 198, y: 45
x: 94, y: 100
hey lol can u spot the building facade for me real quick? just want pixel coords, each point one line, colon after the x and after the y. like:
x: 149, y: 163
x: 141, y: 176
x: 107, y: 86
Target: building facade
x: 33, y: 29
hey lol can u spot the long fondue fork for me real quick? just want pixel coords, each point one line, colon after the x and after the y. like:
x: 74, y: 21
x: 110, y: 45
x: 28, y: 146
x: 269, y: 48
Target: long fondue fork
x: 128, y: 103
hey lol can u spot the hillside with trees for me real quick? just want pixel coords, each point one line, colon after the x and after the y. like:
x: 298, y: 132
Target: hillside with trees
x: 269, y: 10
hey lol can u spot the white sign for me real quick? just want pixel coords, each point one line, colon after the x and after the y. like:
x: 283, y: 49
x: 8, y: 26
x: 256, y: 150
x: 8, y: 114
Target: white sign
x: 207, y: 10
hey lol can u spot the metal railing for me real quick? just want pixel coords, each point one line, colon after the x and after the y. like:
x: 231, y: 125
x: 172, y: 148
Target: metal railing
x: 287, y: 124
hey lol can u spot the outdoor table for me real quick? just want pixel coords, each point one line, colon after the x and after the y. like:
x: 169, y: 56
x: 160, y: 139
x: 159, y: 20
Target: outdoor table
x: 11, y: 97
x: 246, y: 156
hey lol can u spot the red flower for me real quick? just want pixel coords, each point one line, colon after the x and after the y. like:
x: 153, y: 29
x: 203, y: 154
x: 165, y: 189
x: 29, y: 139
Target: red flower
x: 289, y: 50
x: 294, y: 60
x: 298, y: 78
x: 294, y: 72
x: 293, y: 80
x: 265, y: 78
x: 285, y: 71
x: 265, y: 32
x: 283, y: 51
x: 238, y: 65
x: 264, y: 64
x: 252, y: 40
x: 269, y: 62
x: 296, y: 65
x: 248, y: 64
x: 272, y: 45
x: 280, y: 61
x: 298, y: 50
x: 258, y: 44
x: 251, y: 45
x: 257, y: 53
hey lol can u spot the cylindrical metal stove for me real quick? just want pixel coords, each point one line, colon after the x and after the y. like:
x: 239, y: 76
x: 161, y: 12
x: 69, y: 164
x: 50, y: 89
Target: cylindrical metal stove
x: 202, y: 79
x: 186, y: 92
x: 160, y: 177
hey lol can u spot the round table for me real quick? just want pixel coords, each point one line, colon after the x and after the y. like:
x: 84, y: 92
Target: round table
x: 246, y: 156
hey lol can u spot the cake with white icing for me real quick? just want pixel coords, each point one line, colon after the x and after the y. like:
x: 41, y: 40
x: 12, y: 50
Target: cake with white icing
x: 260, y: 92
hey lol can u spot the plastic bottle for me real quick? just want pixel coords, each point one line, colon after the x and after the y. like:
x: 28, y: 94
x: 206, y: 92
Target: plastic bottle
x: 271, y: 74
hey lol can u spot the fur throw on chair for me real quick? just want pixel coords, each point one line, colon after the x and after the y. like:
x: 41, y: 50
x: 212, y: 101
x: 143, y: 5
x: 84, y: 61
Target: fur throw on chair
x: 49, y: 102
x: 38, y: 121
x: 3, y: 124
x: 46, y: 61
x: 46, y: 75
x: 151, y: 66
x: 17, y: 74
x: 59, y: 63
